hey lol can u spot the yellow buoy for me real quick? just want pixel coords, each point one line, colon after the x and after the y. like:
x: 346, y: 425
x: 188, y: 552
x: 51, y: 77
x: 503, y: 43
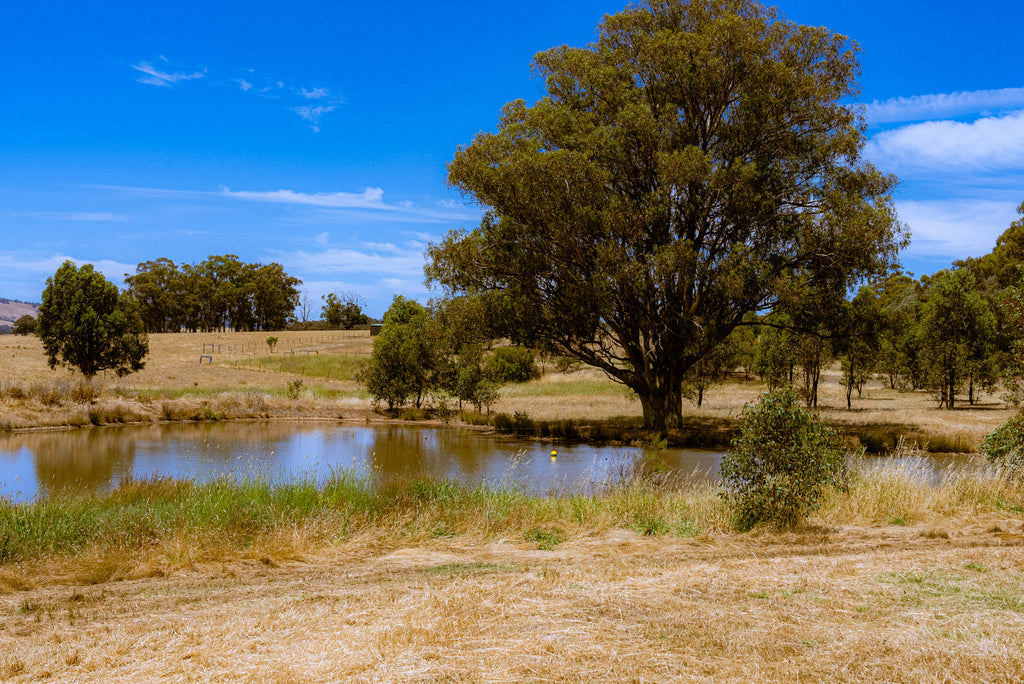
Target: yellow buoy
x: 553, y: 454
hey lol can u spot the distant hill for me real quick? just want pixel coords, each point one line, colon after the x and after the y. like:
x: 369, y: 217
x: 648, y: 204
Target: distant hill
x: 11, y: 310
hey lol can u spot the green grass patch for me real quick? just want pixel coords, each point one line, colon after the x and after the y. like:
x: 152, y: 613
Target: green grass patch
x: 582, y: 387
x: 333, y: 366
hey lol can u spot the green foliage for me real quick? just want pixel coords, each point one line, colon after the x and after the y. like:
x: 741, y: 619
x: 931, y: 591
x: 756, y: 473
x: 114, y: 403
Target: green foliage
x: 511, y: 364
x: 271, y: 342
x: 774, y: 353
x: 85, y: 323
x: 25, y: 325
x: 1004, y: 446
x: 343, y: 310
x: 406, y: 356
x: 957, y: 330
x: 220, y: 292
x: 857, y: 340
x: 636, y: 218
x: 546, y: 538
x: 780, y: 466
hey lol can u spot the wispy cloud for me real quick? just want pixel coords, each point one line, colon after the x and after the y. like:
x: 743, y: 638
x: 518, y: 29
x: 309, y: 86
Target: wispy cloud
x: 94, y: 216
x: 164, y: 79
x: 35, y: 267
x: 988, y: 143
x: 370, y: 198
x: 315, y: 93
x: 944, y: 105
x: 313, y: 114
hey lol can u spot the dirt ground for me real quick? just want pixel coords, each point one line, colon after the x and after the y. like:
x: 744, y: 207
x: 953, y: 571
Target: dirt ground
x: 850, y: 604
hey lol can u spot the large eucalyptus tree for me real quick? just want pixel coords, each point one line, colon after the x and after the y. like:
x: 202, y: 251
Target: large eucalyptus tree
x: 689, y: 167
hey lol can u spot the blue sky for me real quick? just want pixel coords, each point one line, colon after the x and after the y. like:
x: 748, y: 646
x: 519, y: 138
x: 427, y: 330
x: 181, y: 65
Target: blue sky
x: 316, y: 134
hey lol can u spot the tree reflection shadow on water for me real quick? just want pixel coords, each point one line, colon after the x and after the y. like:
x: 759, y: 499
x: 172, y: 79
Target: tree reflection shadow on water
x: 89, y: 460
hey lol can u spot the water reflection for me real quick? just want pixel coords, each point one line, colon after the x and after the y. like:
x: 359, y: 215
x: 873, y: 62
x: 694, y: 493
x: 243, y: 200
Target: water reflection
x: 38, y: 464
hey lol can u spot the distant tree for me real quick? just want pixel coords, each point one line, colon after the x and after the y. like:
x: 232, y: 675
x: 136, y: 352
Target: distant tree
x: 85, y: 323
x: 511, y: 364
x: 406, y: 357
x: 344, y: 310
x: 774, y: 353
x: 25, y: 325
x: 957, y: 329
x: 220, y: 292
x: 856, y: 341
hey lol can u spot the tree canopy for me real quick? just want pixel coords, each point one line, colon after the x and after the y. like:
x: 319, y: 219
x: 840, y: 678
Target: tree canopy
x: 219, y: 292
x: 694, y: 164
x: 85, y: 323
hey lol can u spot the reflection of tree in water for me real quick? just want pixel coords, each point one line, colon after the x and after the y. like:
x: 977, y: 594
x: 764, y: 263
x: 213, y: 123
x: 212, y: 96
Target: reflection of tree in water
x: 80, y: 460
x: 396, y: 452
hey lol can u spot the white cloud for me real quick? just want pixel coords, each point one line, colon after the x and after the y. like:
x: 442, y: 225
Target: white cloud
x: 315, y: 93
x: 323, y: 238
x: 381, y: 246
x: 352, y: 261
x: 986, y: 144
x: 922, y: 107
x: 313, y: 114
x: 370, y: 198
x: 19, y: 266
x: 955, y: 228
x: 243, y: 84
x: 154, y: 76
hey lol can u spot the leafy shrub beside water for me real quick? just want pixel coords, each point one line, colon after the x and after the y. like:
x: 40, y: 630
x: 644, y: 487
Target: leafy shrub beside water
x: 1004, y: 446
x: 780, y: 466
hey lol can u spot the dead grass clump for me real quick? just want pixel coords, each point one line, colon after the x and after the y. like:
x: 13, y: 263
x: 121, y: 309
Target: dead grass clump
x: 13, y: 389
x: 114, y: 410
x: 51, y: 393
x: 184, y: 408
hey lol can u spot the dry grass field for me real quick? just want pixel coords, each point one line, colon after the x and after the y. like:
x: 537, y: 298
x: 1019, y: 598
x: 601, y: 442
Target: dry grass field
x: 245, y: 380
x: 847, y: 603
x: 894, y: 580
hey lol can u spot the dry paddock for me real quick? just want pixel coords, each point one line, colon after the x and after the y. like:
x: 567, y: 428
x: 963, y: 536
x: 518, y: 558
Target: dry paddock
x: 846, y: 604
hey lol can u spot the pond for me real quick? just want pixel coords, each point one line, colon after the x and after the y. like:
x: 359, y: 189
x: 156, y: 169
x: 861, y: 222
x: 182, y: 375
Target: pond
x: 38, y: 464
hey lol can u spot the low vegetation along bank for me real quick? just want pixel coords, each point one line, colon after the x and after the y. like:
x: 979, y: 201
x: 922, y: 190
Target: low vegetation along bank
x: 896, y: 578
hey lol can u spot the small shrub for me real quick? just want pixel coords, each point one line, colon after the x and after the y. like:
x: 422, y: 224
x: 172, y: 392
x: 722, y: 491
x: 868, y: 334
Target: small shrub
x: 567, y: 364
x: 295, y: 388
x: 546, y: 538
x: 511, y: 364
x: 1004, y: 447
x: 780, y: 466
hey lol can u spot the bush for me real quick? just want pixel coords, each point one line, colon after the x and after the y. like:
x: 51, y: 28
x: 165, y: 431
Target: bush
x: 1004, y: 446
x: 511, y: 364
x: 782, y: 463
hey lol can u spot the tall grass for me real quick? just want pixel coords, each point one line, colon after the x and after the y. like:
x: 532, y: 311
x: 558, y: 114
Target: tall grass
x: 227, y: 516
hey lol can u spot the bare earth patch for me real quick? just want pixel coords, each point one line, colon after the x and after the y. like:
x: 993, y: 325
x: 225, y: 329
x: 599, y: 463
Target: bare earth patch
x: 853, y: 603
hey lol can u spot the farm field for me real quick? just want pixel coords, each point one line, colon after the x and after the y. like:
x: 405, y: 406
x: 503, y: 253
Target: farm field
x: 893, y: 580
x: 309, y: 376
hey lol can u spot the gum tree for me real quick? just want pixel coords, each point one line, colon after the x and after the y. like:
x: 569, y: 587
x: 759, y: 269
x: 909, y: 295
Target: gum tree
x: 684, y: 170
x: 85, y: 323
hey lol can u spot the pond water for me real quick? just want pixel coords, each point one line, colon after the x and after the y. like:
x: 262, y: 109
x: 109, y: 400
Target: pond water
x: 38, y: 464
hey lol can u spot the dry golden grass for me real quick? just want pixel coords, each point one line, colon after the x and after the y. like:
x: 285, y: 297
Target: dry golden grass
x: 175, y: 386
x: 847, y: 604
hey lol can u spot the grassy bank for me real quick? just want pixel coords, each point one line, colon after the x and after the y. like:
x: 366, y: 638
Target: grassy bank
x: 893, y: 580
x: 149, y: 522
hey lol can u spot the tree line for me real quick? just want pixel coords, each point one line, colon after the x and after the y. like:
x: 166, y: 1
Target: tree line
x: 218, y: 293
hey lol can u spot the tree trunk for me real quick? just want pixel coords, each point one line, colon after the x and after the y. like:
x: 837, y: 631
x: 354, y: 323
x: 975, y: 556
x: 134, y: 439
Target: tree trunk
x: 950, y: 398
x: 662, y: 411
